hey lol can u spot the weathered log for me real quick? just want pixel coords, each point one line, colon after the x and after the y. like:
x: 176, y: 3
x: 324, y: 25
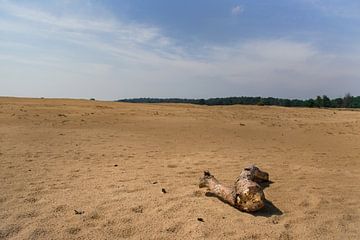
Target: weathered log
x: 246, y: 194
x: 253, y: 173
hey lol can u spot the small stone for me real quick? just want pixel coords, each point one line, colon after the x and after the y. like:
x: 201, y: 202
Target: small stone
x: 200, y: 219
x: 163, y: 190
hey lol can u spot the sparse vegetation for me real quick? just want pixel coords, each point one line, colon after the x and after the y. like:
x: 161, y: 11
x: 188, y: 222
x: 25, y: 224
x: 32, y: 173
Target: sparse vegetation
x: 347, y: 101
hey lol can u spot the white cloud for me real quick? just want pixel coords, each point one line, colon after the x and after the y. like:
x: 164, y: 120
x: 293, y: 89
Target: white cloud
x: 284, y: 68
x: 237, y: 10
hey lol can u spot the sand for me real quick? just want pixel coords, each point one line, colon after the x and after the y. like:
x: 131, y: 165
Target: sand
x: 110, y: 161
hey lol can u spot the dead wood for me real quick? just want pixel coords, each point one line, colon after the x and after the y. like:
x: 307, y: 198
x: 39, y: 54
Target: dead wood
x: 246, y: 194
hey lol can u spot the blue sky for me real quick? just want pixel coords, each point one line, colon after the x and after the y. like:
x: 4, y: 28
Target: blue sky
x: 194, y: 49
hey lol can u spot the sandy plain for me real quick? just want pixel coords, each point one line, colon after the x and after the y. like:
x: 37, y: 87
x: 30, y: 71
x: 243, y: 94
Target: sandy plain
x: 109, y: 162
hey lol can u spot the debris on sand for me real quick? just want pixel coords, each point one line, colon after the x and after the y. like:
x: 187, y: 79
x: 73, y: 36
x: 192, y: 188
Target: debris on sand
x: 200, y: 219
x: 163, y: 190
x: 138, y: 209
x: 79, y: 212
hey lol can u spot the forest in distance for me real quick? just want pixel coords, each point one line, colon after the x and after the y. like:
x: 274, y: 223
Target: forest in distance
x: 324, y: 101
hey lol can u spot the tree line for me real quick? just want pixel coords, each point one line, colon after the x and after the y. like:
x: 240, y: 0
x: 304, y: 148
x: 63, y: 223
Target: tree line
x: 347, y: 101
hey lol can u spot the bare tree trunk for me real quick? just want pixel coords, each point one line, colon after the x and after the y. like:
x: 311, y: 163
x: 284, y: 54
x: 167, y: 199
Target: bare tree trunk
x: 246, y: 194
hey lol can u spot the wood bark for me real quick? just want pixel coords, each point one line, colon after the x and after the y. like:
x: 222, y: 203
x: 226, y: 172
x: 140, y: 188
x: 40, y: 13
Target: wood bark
x: 246, y: 194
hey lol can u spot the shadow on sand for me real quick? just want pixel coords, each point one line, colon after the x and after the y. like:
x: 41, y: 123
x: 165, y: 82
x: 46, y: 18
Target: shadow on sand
x: 266, y: 184
x: 268, y: 210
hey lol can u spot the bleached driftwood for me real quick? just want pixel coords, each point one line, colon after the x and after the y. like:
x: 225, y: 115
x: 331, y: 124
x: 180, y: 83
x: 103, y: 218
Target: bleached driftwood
x: 246, y: 194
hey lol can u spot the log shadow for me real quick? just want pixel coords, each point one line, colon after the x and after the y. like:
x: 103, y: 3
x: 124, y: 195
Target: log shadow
x: 265, y: 184
x: 268, y: 210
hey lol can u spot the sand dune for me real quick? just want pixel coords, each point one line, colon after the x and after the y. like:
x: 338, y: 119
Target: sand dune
x: 109, y: 162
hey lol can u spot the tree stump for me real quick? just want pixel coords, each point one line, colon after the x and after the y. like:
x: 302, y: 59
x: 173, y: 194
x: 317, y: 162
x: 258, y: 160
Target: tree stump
x: 246, y: 194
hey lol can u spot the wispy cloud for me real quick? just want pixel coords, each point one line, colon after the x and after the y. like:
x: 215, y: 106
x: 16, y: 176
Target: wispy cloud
x: 339, y: 8
x: 237, y: 10
x: 108, y: 36
x: 80, y: 24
